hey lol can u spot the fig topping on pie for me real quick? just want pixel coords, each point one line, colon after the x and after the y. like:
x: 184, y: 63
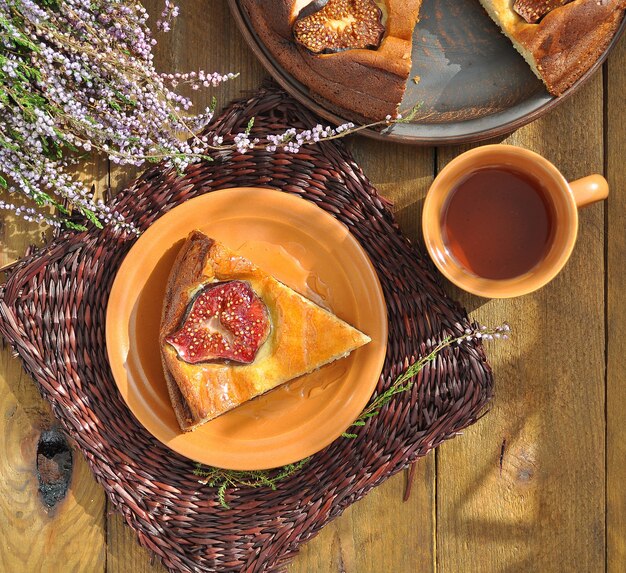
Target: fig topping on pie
x: 328, y: 26
x: 534, y: 10
x: 224, y: 321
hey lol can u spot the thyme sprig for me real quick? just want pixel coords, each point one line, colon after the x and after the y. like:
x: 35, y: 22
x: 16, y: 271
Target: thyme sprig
x: 224, y: 479
x: 405, y: 381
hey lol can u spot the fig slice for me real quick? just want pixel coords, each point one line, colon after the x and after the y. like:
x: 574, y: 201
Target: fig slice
x: 534, y: 10
x: 329, y: 26
x: 224, y: 321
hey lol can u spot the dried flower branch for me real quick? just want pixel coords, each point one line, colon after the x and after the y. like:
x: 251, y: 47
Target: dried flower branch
x: 77, y: 77
x: 405, y: 381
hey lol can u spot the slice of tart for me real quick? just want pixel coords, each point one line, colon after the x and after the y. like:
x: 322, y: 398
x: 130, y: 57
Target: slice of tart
x: 354, y: 55
x: 230, y: 332
x: 560, y: 39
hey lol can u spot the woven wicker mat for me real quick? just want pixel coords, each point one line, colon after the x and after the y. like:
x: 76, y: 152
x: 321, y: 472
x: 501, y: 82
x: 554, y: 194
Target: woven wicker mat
x: 52, y: 311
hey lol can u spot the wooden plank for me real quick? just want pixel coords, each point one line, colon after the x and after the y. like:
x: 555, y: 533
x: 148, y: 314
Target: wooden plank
x: 616, y: 327
x: 202, y: 38
x: 379, y: 533
x: 70, y: 535
x: 401, y: 173
x: 543, y: 510
x: 207, y: 39
x: 124, y: 553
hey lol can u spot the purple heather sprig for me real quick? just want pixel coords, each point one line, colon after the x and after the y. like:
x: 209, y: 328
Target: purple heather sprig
x: 77, y: 77
x: 198, y: 79
x: 170, y: 11
x: 29, y: 214
x: 484, y: 333
x: 292, y: 140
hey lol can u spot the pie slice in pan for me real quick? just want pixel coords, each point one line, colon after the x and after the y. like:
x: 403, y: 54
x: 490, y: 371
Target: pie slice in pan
x: 368, y: 79
x: 560, y: 39
x: 230, y: 332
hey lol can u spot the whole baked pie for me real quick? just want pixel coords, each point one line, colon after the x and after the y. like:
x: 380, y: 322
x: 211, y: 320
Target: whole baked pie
x: 356, y: 54
x: 230, y: 332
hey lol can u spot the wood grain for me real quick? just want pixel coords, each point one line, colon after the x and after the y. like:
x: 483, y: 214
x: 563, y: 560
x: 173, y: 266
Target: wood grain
x: 70, y: 536
x: 124, y: 554
x: 380, y: 533
x: 616, y: 307
x: 543, y: 510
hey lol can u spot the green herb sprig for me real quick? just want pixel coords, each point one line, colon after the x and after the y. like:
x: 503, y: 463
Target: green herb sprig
x: 223, y: 479
x: 402, y: 383
x: 405, y: 381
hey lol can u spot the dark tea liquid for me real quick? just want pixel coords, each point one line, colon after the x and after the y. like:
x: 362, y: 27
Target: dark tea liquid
x: 497, y: 223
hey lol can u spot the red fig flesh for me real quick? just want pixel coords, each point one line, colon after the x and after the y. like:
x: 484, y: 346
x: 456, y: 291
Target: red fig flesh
x: 225, y: 321
x: 327, y: 26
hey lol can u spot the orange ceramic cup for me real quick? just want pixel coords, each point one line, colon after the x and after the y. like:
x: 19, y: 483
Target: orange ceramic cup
x: 566, y: 199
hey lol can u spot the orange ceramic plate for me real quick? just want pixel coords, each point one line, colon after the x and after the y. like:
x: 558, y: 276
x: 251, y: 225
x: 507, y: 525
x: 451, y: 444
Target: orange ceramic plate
x: 305, y: 248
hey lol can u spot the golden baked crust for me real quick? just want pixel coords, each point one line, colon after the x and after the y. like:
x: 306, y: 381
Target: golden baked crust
x: 565, y: 43
x: 370, y: 83
x: 303, y: 336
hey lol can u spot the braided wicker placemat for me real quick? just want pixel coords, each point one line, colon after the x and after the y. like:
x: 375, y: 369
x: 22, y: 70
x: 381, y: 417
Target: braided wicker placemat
x: 52, y: 311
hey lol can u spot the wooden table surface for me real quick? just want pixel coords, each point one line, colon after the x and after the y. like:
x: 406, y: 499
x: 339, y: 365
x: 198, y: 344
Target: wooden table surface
x: 537, y: 485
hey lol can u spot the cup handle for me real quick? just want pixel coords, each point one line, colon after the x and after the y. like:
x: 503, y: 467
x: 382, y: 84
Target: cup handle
x: 589, y: 189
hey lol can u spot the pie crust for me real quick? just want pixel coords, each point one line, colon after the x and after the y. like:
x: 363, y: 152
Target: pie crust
x: 370, y: 83
x: 566, y: 42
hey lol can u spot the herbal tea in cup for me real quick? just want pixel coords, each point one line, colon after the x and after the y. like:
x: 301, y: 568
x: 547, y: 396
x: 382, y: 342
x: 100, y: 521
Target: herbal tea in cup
x: 497, y: 222
x: 501, y: 221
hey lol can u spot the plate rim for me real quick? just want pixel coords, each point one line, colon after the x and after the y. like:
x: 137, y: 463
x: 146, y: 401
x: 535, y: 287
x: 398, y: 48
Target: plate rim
x: 300, y: 93
x: 121, y: 369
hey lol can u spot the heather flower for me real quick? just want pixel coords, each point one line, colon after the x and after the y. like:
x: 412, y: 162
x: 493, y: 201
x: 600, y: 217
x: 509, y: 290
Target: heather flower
x: 78, y: 77
x: 29, y: 214
x: 170, y: 11
x: 478, y: 332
